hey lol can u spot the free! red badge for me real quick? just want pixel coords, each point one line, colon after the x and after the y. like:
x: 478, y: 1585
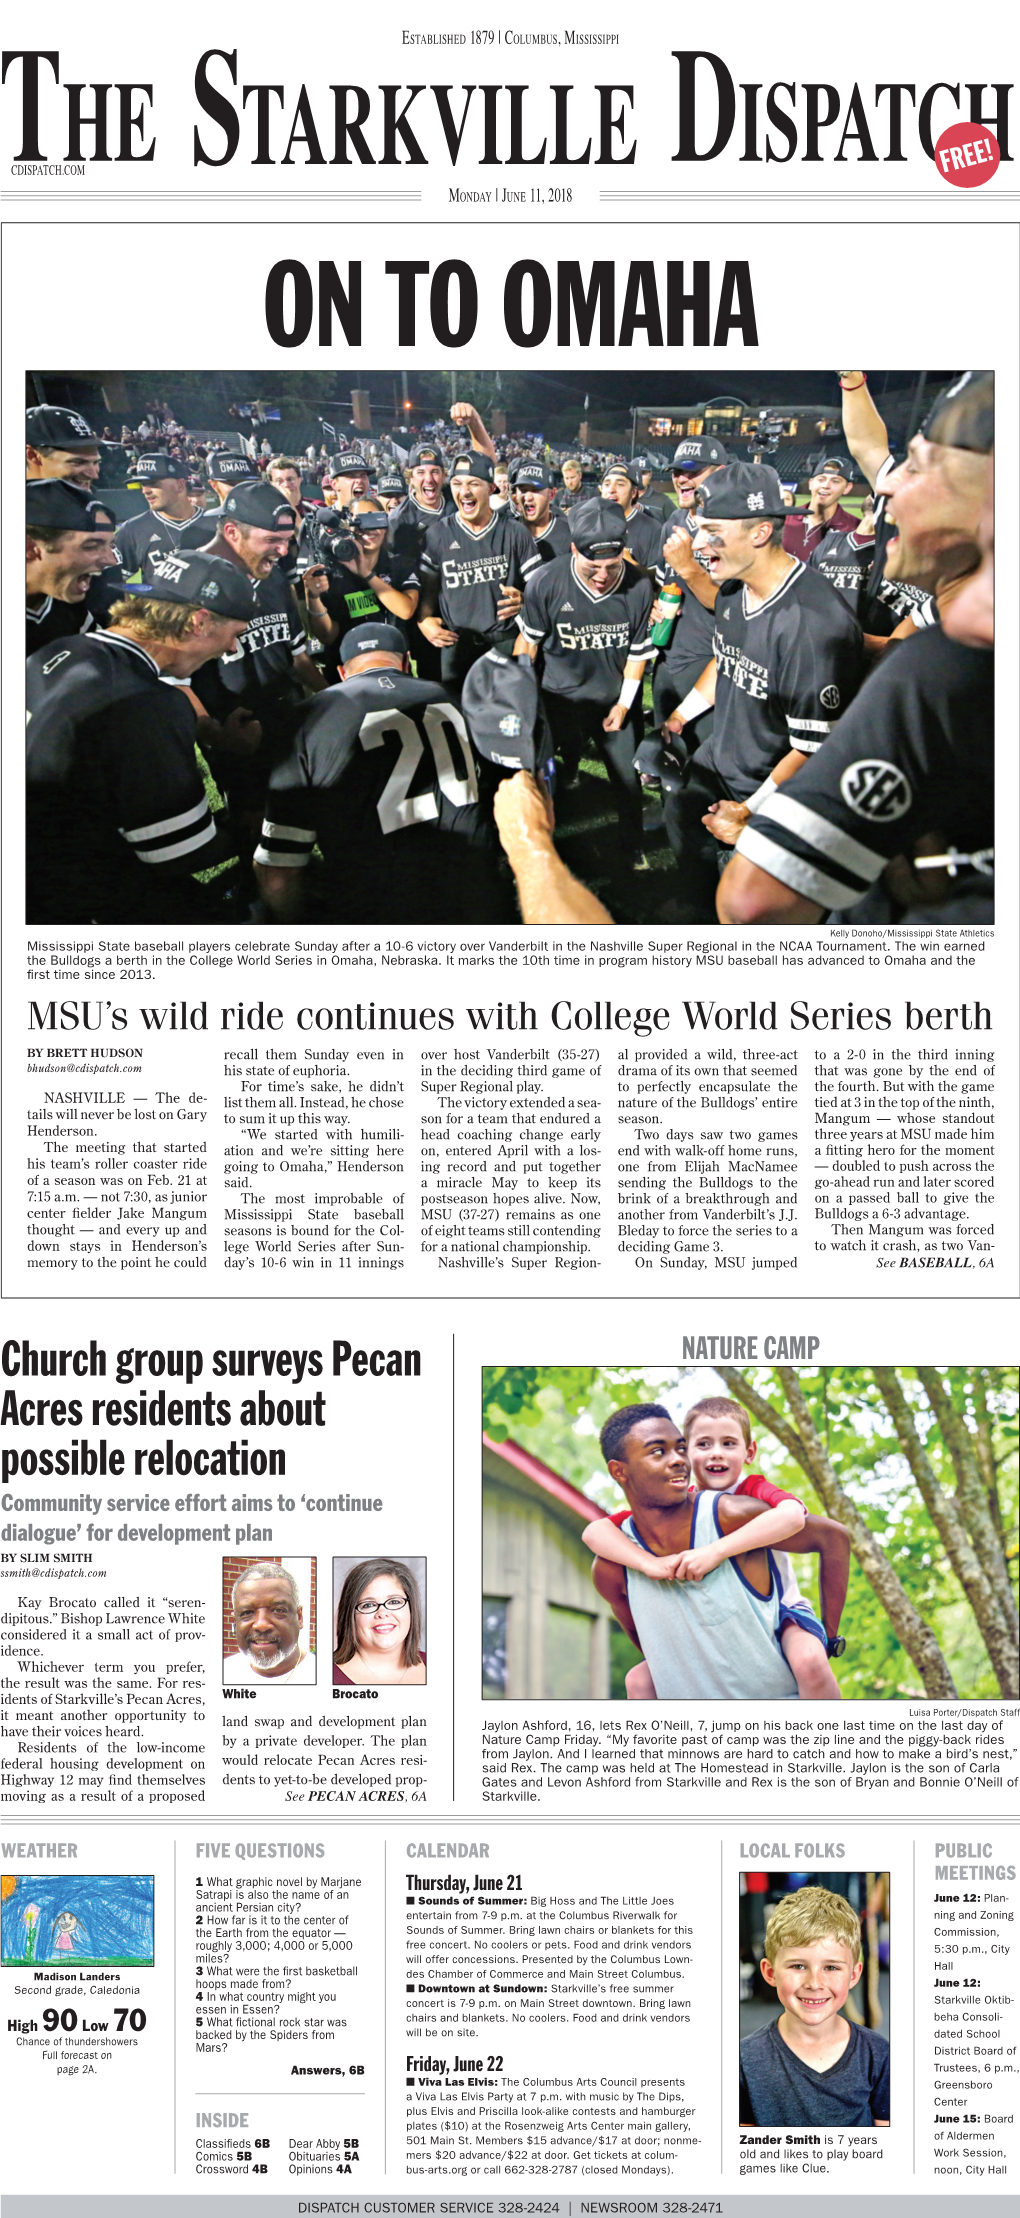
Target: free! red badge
x: 967, y: 154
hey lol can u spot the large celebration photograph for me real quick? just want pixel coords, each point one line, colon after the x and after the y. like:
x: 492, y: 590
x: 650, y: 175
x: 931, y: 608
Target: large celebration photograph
x: 486, y: 647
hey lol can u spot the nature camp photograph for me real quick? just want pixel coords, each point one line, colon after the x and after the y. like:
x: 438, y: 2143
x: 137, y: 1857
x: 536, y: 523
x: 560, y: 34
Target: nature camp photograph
x: 843, y: 1533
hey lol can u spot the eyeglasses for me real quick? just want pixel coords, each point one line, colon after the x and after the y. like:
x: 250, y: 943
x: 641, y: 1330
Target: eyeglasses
x: 392, y: 1602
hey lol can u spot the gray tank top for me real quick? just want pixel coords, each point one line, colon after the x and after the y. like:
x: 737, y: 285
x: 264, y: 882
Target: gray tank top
x: 715, y: 1639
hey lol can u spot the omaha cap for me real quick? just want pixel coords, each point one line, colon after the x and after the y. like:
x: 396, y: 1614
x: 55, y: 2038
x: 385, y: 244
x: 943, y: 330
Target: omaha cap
x: 348, y: 462
x: 475, y: 465
x: 598, y: 530
x: 199, y: 581
x: 426, y: 450
x: 56, y: 505
x: 840, y: 462
x: 60, y: 427
x: 745, y: 490
x: 621, y: 468
x: 257, y: 502
x: 228, y: 467
x: 149, y: 468
x: 537, y: 475
x: 390, y: 482
x: 372, y: 639
x: 699, y: 454
x: 499, y: 698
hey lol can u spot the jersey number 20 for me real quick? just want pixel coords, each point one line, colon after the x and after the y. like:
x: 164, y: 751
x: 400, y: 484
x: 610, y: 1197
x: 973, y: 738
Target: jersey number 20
x: 396, y: 807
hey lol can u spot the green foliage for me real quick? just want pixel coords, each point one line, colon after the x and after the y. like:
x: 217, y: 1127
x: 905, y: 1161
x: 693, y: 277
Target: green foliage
x: 557, y: 1414
x: 854, y: 1425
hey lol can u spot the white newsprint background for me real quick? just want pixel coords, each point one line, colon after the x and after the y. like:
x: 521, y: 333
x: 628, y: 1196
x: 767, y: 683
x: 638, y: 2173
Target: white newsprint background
x: 411, y: 1951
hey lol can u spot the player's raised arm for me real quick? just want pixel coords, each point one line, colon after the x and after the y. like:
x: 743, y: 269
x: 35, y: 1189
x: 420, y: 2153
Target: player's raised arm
x: 468, y: 419
x: 863, y: 428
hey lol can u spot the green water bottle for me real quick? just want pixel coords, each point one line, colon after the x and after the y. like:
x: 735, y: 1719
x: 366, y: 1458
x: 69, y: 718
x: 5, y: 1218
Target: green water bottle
x: 671, y: 596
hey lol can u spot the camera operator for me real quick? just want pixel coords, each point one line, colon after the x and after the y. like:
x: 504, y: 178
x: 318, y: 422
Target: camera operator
x: 352, y: 577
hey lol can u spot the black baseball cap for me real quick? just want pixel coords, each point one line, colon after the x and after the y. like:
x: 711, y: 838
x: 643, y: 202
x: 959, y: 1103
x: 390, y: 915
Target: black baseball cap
x: 149, y: 468
x: 257, y: 502
x: 538, y: 475
x: 60, y: 427
x: 475, y: 465
x: 623, y: 468
x: 199, y: 581
x: 749, y: 491
x: 228, y: 467
x: 56, y: 505
x: 389, y: 482
x: 598, y: 530
x: 499, y: 698
x: 699, y: 454
x: 840, y: 462
x: 347, y: 462
x: 372, y: 639
x: 964, y: 414
x: 426, y: 450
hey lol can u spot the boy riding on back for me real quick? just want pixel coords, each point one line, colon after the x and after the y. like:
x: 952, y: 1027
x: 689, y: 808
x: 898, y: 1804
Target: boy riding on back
x: 719, y: 1445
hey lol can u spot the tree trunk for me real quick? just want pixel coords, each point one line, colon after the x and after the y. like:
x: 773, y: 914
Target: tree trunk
x: 986, y: 1456
x: 802, y: 1442
x: 971, y: 1492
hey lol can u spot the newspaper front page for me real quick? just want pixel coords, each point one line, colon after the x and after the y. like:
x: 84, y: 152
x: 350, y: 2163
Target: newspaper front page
x: 501, y: 954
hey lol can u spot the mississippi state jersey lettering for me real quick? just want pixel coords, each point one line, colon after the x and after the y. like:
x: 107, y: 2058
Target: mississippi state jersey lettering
x: 261, y: 666
x: 470, y: 569
x: 143, y: 538
x: 381, y: 774
x: 785, y: 670
x: 910, y: 765
x: 845, y: 560
x: 586, y: 638
x: 116, y: 811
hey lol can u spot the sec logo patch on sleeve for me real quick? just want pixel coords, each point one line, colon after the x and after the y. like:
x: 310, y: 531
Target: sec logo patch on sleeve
x: 876, y: 789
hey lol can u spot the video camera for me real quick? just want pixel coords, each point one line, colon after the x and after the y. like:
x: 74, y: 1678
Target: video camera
x: 330, y: 538
x: 771, y: 429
